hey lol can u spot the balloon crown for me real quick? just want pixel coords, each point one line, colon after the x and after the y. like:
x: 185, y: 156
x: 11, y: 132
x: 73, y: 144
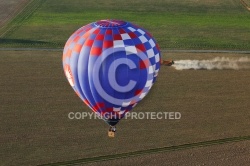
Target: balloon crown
x: 110, y: 23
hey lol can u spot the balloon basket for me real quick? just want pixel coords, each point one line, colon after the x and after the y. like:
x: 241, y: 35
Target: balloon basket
x: 111, y: 134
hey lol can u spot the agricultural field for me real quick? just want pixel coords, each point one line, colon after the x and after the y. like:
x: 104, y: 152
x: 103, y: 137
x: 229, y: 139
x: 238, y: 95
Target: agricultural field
x: 212, y: 155
x: 191, y: 24
x: 36, y: 98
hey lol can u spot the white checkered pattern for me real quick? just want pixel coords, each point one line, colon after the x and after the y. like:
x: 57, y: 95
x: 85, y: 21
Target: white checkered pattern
x: 118, y: 43
x: 143, y: 39
x: 125, y: 36
x: 130, y: 50
x: 125, y: 104
x: 116, y: 109
x: 141, y: 31
x: 131, y: 29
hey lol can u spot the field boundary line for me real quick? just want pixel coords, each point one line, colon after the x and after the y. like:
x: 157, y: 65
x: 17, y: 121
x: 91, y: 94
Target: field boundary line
x: 245, y: 5
x: 149, y: 151
x: 162, y: 50
x: 206, y: 51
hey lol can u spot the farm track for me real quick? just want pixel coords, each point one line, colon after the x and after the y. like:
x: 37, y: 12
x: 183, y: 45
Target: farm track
x: 23, y: 15
x: 150, y: 151
x: 16, y: 11
x: 245, y: 5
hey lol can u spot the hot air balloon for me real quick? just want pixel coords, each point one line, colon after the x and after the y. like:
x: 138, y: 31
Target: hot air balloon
x: 111, y: 65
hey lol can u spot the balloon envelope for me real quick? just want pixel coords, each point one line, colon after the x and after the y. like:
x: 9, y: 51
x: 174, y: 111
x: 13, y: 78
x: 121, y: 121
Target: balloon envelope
x: 111, y: 65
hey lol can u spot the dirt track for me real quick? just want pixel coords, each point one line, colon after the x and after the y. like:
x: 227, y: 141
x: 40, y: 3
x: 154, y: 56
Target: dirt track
x: 10, y: 8
x: 244, y: 3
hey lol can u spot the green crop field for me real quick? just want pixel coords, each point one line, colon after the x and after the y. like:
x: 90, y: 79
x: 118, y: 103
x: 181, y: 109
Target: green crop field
x: 36, y: 98
x: 222, y: 24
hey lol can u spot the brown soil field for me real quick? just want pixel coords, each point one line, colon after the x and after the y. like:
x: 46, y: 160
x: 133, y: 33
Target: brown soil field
x: 10, y: 8
x: 224, y: 155
x: 36, y: 100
